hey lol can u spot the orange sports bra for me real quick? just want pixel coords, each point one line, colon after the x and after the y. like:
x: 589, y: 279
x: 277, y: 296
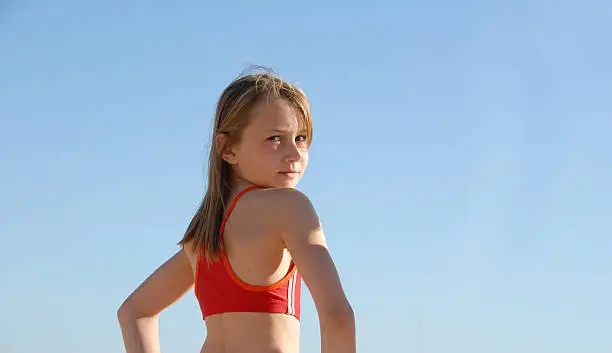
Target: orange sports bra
x: 219, y: 290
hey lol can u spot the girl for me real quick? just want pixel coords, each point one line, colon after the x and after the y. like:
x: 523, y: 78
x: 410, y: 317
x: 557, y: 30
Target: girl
x: 253, y: 238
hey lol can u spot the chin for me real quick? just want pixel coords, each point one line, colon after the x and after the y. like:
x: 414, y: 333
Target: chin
x: 285, y: 185
x: 281, y: 181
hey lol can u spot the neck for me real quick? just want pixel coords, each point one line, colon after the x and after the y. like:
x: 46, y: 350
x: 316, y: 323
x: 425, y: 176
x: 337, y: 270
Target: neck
x: 238, y: 184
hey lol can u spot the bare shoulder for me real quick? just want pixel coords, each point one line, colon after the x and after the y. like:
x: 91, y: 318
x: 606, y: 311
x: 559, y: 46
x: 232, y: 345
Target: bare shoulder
x: 282, y: 207
x: 292, y: 214
x: 287, y: 194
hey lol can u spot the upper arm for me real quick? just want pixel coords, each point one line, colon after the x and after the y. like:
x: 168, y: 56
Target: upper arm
x: 304, y: 238
x: 167, y: 284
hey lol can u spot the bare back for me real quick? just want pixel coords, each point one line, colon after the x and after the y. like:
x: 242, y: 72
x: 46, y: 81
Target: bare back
x: 257, y: 257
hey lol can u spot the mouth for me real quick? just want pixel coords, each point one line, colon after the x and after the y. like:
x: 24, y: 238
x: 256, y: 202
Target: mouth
x: 289, y: 173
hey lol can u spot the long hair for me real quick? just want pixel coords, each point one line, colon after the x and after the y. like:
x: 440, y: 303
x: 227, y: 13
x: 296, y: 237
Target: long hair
x: 231, y: 118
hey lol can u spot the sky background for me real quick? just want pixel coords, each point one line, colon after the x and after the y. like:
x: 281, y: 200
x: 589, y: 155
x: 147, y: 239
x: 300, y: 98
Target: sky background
x: 461, y: 163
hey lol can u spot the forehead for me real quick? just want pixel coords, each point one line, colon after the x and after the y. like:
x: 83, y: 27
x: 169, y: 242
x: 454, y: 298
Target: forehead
x: 273, y: 114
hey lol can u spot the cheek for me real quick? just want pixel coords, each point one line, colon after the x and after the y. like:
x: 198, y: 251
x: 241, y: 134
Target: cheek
x: 305, y: 157
x: 268, y: 148
x: 264, y: 155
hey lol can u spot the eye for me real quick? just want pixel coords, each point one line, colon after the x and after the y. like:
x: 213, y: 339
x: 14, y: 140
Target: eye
x: 301, y: 138
x: 275, y: 138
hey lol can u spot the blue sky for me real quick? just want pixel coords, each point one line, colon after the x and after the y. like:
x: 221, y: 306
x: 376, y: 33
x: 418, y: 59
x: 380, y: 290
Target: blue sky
x: 461, y: 163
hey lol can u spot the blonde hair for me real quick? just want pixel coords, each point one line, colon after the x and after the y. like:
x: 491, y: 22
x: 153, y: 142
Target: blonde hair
x: 231, y: 118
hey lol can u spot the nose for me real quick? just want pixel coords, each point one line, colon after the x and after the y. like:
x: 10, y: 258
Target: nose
x: 292, y: 153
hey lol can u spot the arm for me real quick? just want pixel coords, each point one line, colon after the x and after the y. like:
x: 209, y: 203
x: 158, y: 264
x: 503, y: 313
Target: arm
x: 138, y: 315
x: 304, y: 238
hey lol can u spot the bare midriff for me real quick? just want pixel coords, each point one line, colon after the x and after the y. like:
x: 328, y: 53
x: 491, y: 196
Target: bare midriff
x: 252, y: 333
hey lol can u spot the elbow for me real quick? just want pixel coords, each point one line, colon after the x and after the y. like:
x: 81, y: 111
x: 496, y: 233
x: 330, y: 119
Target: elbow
x: 124, y: 313
x: 339, y: 318
x: 130, y: 311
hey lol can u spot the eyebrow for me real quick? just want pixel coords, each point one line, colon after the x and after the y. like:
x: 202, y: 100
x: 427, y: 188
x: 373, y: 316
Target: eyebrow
x: 285, y: 130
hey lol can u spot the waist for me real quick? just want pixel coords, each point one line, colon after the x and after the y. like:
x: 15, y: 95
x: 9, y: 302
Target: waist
x: 252, y: 332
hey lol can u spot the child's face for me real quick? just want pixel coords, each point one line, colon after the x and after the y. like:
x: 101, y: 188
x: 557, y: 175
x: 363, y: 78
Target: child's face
x: 273, y: 151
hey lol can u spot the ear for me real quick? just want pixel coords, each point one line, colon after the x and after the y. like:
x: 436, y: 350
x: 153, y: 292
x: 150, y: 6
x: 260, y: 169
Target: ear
x: 223, y: 145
